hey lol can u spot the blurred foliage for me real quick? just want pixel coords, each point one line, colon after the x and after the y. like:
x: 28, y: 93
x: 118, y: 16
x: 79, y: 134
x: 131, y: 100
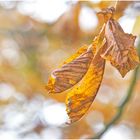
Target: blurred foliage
x: 30, y: 49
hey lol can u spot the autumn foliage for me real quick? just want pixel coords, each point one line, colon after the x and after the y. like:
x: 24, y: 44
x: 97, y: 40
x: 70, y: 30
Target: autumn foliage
x: 81, y: 75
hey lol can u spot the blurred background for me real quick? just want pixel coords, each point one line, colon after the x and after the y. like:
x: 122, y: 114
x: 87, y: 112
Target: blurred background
x: 35, y: 37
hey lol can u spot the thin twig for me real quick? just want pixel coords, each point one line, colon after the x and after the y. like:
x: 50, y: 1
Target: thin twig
x: 123, y: 104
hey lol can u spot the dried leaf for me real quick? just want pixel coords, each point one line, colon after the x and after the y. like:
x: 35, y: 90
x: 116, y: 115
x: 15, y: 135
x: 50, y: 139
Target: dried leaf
x: 71, y: 71
x: 74, y: 68
x: 83, y: 72
x: 81, y: 96
x: 120, y: 49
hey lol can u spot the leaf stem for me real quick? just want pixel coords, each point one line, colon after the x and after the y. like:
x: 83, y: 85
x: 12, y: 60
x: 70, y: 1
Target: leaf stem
x: 123, y: 104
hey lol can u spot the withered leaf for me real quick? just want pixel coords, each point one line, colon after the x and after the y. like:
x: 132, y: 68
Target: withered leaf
x: 81, y: 96
x: 120, y: 49
x: 70, y: 72
x: 83, y: 72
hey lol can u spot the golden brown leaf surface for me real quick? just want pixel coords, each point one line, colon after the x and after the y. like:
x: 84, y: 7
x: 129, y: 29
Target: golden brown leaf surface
x: 120, y: 49
x: 81, y: 96
x: 70, y: 72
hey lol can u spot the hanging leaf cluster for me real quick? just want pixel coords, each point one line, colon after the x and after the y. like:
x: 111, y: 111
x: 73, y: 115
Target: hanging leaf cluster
x: 81, y: 75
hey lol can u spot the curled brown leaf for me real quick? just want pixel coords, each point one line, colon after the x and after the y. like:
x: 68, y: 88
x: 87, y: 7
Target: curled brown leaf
x: 120, y: 49
x: 71, y: 72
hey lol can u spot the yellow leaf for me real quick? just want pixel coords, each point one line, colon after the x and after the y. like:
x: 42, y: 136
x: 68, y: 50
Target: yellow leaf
x: 120, y: 49
x: 81, y: 96
x: 74, y: 68
x: 71, y: 72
